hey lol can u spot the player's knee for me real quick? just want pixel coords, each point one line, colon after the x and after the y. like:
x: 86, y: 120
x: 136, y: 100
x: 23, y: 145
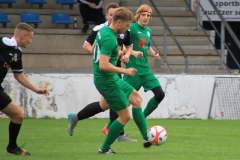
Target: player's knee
x: 124, y: 118
x: 159, y: 96
x: 127, y: 118
x: 137, y: 101
x: 18, y: 118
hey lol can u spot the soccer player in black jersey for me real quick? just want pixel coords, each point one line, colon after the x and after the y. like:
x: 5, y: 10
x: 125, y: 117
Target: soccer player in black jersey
x: 11, y: 57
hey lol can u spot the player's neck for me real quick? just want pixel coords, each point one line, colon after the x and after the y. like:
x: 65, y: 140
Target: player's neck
x: 113, y: 27
x: 142, y: 25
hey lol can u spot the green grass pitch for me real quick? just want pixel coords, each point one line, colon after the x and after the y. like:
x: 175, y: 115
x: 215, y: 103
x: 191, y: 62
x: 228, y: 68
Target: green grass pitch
x: 48, y: 139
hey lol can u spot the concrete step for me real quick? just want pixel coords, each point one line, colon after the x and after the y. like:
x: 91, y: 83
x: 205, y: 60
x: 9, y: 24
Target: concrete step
x: 182, y: 28
x: 58, y: 42
x: 70, y: 41
x: 51, y: 63
x: 178, y: 8
x: 158, y: 31
x: 194, y: 60
x: 45, y: 11
x: 18, y: 11
x: 174, y: 21
x: 46, y: 22
x: 51, y: 4
x: 45, y: 16
x: 162, y: 3
x: 40, y: 63
x: 191, y: 52
x: 183, y: 40
x: 73, y: 34
x: 195, y: 47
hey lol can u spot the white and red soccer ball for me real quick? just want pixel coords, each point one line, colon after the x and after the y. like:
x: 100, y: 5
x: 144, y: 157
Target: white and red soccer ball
x: 157, y: 135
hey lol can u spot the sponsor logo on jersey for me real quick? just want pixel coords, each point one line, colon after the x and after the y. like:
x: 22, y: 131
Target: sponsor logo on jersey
x: 148, y: 33
x: 121, y: 35
x: 15, y: 57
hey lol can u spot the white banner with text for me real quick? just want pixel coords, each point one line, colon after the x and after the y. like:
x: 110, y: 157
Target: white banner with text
x: 229, y: 9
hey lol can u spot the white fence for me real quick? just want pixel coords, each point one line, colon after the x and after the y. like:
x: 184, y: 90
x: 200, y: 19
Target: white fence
x: 187, y: 96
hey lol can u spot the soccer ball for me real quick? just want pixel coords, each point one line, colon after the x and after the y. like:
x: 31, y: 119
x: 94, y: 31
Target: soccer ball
x: 157, y: 135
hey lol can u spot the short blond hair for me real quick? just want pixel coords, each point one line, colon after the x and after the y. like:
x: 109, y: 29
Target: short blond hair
x: 122, y: 13
x: 24, y: 27
x: 143, y: 8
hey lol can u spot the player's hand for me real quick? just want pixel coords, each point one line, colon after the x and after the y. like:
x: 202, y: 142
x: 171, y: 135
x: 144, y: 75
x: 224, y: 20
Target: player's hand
x: 120, y: 54
x: 130, y: 71
x: 92, y: 5
x: 125, y: 59
x: 157, y: 56
x: 137, y: 54
x: 42, y: 91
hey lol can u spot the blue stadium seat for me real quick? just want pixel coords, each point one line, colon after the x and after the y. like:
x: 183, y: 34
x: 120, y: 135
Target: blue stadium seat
x: 30, y: 17
x: 39, y: 2
x: 9, y: 2
x: 66, y: 2
x: 61, y: 18
x: 4, y: 19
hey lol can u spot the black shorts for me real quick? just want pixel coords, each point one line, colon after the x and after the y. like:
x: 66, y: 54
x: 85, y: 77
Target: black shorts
x: 4, y: 99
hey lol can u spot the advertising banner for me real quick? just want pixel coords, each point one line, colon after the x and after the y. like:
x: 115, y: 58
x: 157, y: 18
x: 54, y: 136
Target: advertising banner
x: 229, y: 9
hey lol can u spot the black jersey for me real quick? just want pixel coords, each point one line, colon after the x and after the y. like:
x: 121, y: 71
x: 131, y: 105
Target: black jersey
x: 123, y: 38
x: 10, y: 57
x: 97, y: 2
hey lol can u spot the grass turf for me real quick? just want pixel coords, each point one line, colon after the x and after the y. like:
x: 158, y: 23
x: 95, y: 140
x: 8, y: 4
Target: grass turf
x: 48, y: 139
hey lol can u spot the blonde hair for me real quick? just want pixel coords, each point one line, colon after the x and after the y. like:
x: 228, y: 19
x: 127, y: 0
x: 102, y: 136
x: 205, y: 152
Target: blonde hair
x: 143, y: 8
x: 122, y: 13
x: 24, y: 27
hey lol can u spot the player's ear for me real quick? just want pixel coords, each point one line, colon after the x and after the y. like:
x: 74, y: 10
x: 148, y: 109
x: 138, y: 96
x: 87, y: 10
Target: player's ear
x: 23, y: 35
x: 119, y: 22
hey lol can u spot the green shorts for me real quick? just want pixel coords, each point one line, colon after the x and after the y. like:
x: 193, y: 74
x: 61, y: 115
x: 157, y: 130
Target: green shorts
x: 148, y: 81
x: 116, y: 93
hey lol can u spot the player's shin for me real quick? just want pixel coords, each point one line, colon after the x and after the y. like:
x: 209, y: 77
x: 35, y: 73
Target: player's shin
x: 140, y: 120
x: 114, y: 130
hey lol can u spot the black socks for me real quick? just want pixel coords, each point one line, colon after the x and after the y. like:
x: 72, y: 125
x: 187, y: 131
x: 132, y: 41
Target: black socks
x: 89, y: 111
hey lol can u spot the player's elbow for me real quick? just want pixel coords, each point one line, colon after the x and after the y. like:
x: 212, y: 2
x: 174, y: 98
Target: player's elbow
x: 102, y: 67
x: 87, y: 47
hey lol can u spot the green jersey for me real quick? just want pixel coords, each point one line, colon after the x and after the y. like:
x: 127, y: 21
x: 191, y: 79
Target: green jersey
x: 106, y: 44
x: 141, y: 38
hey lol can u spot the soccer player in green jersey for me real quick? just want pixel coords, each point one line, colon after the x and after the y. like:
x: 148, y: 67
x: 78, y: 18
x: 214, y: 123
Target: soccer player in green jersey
x: 141, y: 36
x: 116, y: 92
x: 91, y: 109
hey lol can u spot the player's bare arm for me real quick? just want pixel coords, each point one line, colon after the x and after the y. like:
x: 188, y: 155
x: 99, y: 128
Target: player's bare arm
x: 128, y: 52
x: 106, y: 66
x: 154, y: 54
x: 88, y: 47
x: 21, y: 78
x: 137, y: 54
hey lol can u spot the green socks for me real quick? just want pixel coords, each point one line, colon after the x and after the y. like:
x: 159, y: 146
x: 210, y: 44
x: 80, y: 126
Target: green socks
x: 151, y: 106
x: 109, y: 123
x: 140, y: 121
x: 113, y: 132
